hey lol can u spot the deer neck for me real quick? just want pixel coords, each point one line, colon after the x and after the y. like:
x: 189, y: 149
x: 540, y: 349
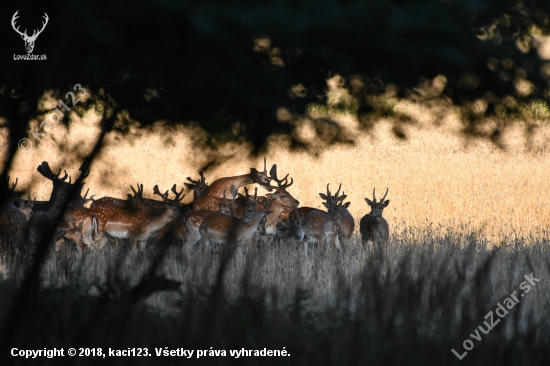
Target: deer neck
x: 273, y: 217
x: 161, y: 220
x: 217, y: 187
x: 247, y: 229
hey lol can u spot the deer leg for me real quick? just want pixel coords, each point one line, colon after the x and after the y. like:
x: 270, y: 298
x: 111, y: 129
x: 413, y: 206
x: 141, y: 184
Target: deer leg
x: 337, y: 243
x: 193, y: 238
x: 133, y: 243
x: 205, y: 242
x: 142, y: 244
x: 100, y: 243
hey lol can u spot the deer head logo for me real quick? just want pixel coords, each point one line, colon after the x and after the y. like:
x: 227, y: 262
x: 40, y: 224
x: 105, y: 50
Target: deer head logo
x: 29, y: 41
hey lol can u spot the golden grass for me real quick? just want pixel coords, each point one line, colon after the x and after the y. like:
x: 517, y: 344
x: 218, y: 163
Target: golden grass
x: 435, y: 176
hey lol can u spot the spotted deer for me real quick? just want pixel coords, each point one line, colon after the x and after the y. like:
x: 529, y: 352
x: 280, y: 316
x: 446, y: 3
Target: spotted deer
x: 197, y: 186
x: 373, y: 226
x: 194, y: 219
x: 339, y: 213
x: 126, y: 220
x: 280, y: 200
x: 175, y: 229
x: 312, y: 226
x: 217, y: 187
x: 224, y: 229
x: 76, y: 223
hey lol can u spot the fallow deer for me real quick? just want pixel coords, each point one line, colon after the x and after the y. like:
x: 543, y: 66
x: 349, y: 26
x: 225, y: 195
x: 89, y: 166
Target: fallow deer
x: 125, y: 220
x: 75, y: 223
x: 175, y: 229
x: 14, y: 215
x: 77, y: 226
x: 217, y: 187
x: 194, y: 219
x: 279, y: 200
x: 373, y: 226
x: 311, y: 225
x: 61, y: 188
x: 339, y: 213
x: 224, y: 229
x: 13, y: 225
x: 197, y: 186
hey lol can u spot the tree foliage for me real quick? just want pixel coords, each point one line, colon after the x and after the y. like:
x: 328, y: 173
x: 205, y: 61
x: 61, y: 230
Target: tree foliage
x: 218, y: 62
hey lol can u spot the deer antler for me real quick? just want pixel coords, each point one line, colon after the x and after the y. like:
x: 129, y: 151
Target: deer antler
x: 383, y: 198
x: 13, y: 185
x: 139, y: 193
x: 273, y: 175
x: 157, y: 192
x: 85, y: 198
x: 45, y: 170
x: 337, y: 192
x: 202, y: 179
x: 84, y: 169
x: 177, y: 194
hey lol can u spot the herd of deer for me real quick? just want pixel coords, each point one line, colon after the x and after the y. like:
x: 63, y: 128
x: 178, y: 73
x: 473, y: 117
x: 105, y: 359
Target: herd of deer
x: 218, y: 214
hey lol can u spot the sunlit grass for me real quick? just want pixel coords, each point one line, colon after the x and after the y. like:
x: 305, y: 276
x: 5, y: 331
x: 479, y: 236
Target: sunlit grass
x: 436, y: 177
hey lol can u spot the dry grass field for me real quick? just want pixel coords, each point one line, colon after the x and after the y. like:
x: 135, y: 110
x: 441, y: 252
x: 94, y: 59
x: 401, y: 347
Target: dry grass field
x: 436, y: 177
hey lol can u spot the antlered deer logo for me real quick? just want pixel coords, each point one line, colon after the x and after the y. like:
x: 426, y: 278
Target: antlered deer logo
x: 29, y: 41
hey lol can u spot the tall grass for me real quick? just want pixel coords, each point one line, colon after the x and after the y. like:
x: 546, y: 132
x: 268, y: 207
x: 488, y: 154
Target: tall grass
x: 408, y: 303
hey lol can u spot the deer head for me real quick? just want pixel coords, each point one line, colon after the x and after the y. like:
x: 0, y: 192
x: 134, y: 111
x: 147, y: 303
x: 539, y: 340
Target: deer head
x: 29, y: 40
x: 61, y: 187
x: 376, y: 208
x: 281, y: 194
x: 198, y: 186
x: 261, y: 178
x: 334, y: 204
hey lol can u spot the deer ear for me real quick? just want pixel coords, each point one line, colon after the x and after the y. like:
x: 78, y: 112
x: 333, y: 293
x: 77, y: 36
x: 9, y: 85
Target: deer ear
x: 369, y: 202
x: 386, y: 203
x: 346, y: 205
x: 189, y: 186
x: 323, y: 196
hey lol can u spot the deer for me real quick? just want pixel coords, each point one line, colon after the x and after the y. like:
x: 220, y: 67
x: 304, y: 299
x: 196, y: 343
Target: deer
x: 14, y: 223
x: 61, y: 187
x: 373, y: 226
x: 217, y: 187
x: 279, y: 200
x: 46, y: 213
x: 197, y: 186
x: 194, y: 219
x: 310, y: 225
x: 29, y: 40
x: 339, y: 213
x: 224, y: 229
x: 40, y: 223
x: 76, y: 224
x: 125, y: 220
x: 175, y: 229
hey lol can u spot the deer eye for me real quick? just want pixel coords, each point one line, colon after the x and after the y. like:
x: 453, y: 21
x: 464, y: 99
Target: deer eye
x: 284, y: 195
